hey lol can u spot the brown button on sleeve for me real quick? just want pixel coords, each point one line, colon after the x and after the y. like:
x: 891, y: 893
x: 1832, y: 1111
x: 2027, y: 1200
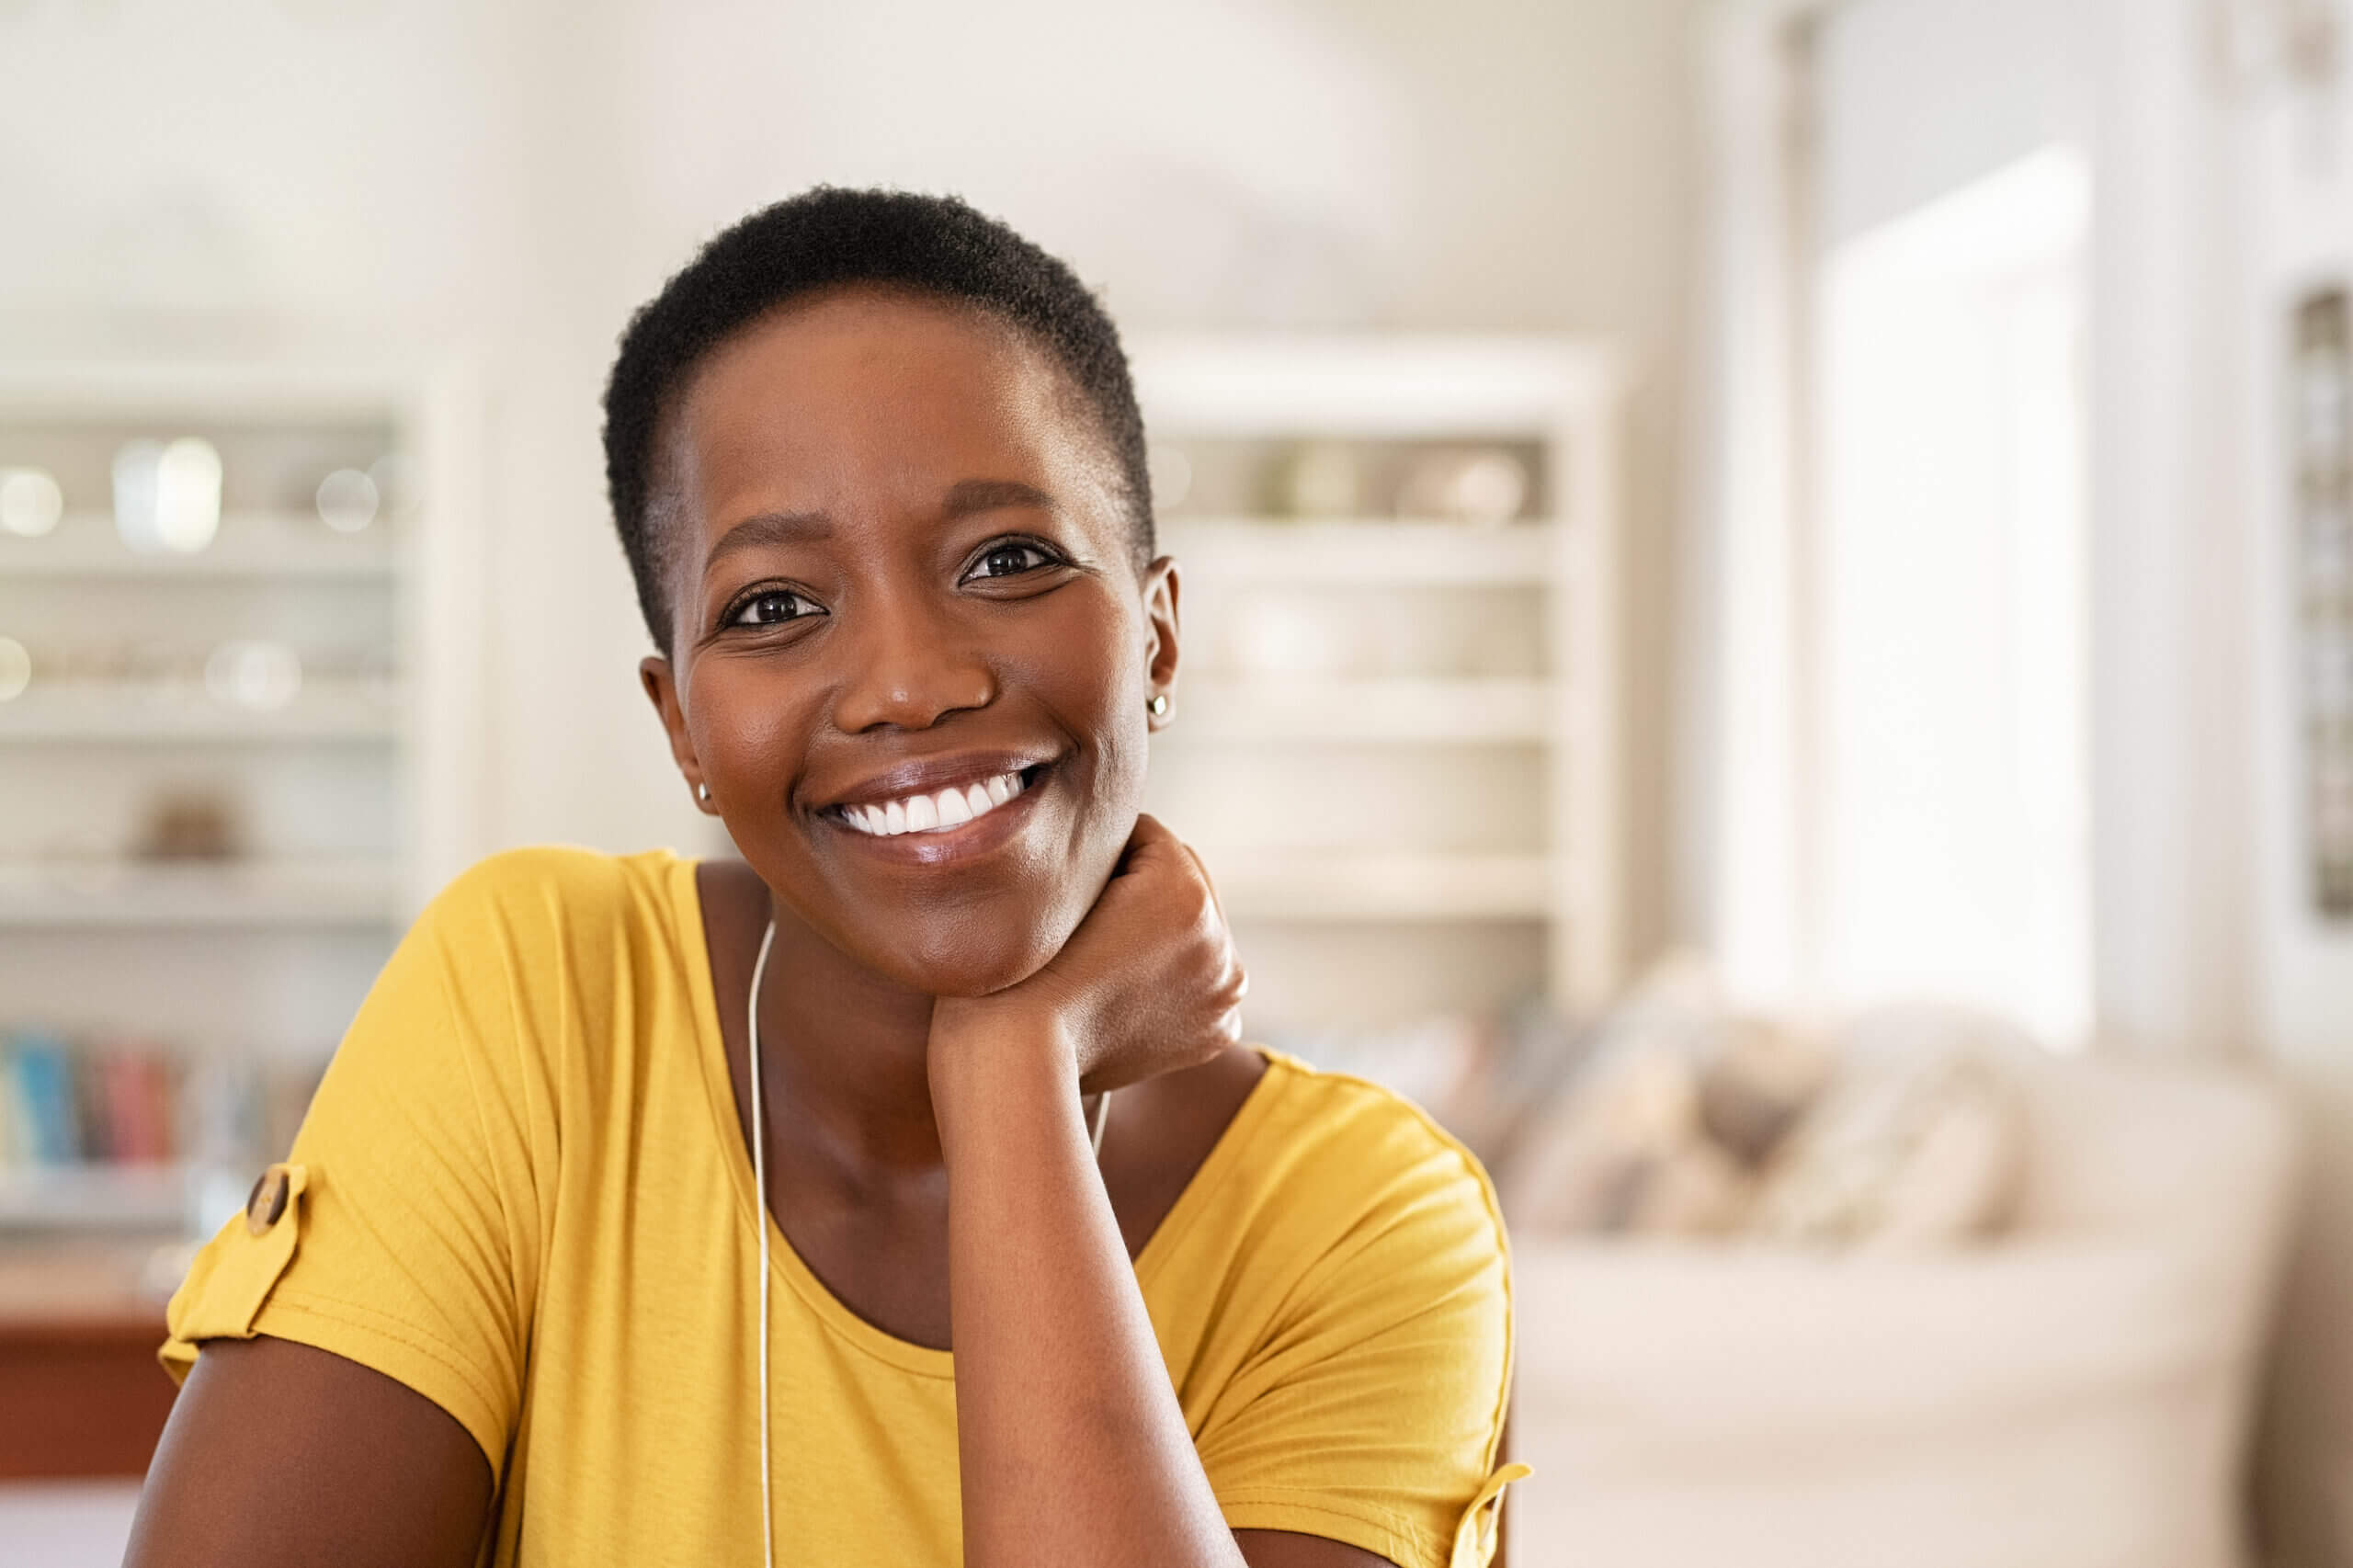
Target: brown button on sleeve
x: 268, y: 1199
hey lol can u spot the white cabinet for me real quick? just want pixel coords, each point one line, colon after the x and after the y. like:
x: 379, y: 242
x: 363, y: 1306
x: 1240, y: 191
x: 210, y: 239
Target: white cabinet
x: 1394, y: 732
x: 229, y: 774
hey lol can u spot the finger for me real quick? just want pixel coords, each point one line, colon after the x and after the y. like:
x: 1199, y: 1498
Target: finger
x: 1153, y: 838
x: 1150, y: 829
x: 1148, y: 842
x: 1201, y: 869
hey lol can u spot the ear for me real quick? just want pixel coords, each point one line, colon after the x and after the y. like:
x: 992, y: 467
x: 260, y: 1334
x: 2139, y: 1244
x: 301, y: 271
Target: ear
x: 1160, y: 594
x: 654, y: 671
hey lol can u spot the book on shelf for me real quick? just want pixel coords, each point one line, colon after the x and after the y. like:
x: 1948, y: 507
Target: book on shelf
x: 113, y: 1101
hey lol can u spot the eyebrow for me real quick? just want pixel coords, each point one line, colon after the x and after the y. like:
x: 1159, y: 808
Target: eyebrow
x: 964, y: 498
x: 768, y: 528
x: 970, y: 495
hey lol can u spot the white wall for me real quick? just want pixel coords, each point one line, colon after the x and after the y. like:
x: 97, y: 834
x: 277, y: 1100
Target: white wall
x: 2290, y: 157
x: 2293, y: 157
x: 2172, y: 737
x: 510, y: 179
x: 1918, y: 98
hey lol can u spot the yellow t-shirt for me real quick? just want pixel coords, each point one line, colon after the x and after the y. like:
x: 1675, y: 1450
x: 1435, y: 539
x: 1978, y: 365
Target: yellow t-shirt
x: 523, y: 1192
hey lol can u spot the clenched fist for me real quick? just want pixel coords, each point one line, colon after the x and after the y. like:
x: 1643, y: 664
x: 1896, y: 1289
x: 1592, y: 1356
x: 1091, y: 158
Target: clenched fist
x: 1148, y: 984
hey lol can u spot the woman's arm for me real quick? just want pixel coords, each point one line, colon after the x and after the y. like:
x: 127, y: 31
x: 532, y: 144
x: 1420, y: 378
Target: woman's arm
x: 1073, y: 1447
x: 279, y: 1455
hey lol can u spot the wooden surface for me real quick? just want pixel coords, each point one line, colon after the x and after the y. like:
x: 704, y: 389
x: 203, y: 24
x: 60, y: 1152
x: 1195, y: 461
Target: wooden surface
x: 81, y: 1393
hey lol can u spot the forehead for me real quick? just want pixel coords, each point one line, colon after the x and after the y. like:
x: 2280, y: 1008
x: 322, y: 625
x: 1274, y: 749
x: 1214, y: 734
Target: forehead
x: 863, y: 401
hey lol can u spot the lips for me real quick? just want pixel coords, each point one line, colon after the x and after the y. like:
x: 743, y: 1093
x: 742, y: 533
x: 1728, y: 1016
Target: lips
x: 916, y: 800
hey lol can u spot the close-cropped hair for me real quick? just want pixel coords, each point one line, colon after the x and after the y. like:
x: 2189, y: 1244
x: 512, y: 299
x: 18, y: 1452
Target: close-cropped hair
x: 830, y: 238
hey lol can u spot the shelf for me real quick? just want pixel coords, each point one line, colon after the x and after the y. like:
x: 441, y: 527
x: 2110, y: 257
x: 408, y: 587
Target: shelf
x: 1367, y: 550
x: 122, y: 711
x: 1344, y: 886
x: 1418, y: 386
x: 1387, y: 710
x: 94, y: 1197
x: 80, y: 895
x: 256, y: 545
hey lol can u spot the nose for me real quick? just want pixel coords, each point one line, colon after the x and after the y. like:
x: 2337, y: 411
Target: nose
x: 911, y: 664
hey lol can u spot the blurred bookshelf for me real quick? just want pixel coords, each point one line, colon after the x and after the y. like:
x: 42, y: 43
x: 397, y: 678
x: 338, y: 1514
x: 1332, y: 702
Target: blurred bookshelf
x: 131, y: 895
x: 1363, y: 550
x: 1394, y: 739
x: 248, y: 545
x: 126, y: 1133
x: 1377, y: 886
x: 130, y: 711
x: 240, y: 714
x: 1408, y: 710
x: 96, y: 1197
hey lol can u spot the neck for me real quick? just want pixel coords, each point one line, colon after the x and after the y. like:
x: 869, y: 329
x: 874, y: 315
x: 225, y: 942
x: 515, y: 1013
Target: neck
x: 843, y: 1053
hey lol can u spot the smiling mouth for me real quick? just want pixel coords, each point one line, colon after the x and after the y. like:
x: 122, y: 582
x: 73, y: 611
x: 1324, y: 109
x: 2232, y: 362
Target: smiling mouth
x: 941, y: 811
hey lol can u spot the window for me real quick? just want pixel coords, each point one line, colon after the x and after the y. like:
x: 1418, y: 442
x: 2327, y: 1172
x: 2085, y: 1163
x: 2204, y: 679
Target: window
x: 1945, y: 846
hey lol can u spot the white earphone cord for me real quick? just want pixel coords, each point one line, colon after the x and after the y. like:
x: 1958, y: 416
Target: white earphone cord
x: 760, y: 1218
x: 760, y: 1211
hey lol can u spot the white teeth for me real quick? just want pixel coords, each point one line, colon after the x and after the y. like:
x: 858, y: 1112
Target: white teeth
x: 932, y: 813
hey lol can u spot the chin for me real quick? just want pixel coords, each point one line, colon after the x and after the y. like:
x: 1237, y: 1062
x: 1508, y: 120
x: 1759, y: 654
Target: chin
x: 971, y: 930
x: 977, y: 951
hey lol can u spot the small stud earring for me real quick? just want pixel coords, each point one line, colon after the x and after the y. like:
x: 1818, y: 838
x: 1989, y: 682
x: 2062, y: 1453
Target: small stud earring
x: 1158, y: 706
x: 702, y: 793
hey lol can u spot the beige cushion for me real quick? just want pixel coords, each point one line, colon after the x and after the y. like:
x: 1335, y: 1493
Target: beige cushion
x: 1920, y: 1140
x: 1689, y: 1405
x: 1665, y: 1132
x: 1756, y: 1084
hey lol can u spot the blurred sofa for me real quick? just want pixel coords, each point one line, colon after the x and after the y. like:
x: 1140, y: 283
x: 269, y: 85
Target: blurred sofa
x: 2074, y: 1393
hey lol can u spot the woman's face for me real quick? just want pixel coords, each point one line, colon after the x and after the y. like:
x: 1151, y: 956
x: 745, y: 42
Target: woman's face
x: 898, y: 567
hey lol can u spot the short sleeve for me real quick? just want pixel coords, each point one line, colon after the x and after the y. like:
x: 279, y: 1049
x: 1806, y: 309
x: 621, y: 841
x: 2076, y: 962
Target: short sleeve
x: 407, y: 1240
x: 1371, y: 1412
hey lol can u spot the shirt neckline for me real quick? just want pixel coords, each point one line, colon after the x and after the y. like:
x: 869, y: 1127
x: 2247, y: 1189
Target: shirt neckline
x: 787, y: 1265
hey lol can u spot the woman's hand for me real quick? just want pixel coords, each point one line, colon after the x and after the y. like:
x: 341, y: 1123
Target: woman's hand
x: 1148, y: 984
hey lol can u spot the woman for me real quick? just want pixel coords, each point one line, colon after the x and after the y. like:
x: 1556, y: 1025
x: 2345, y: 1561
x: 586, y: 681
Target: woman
x: 962, y: 1019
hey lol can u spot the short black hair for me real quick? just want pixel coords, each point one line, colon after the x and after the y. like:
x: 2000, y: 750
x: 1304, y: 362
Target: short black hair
x: 830, y: 237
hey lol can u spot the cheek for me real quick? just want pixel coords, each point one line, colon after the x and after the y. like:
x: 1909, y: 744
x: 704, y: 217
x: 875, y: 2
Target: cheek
x: 750, y: 731
x: 1098, y: 699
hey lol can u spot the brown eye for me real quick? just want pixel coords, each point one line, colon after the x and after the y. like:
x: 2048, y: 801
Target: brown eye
x: 1010, y: 560
x: 772, y: 608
